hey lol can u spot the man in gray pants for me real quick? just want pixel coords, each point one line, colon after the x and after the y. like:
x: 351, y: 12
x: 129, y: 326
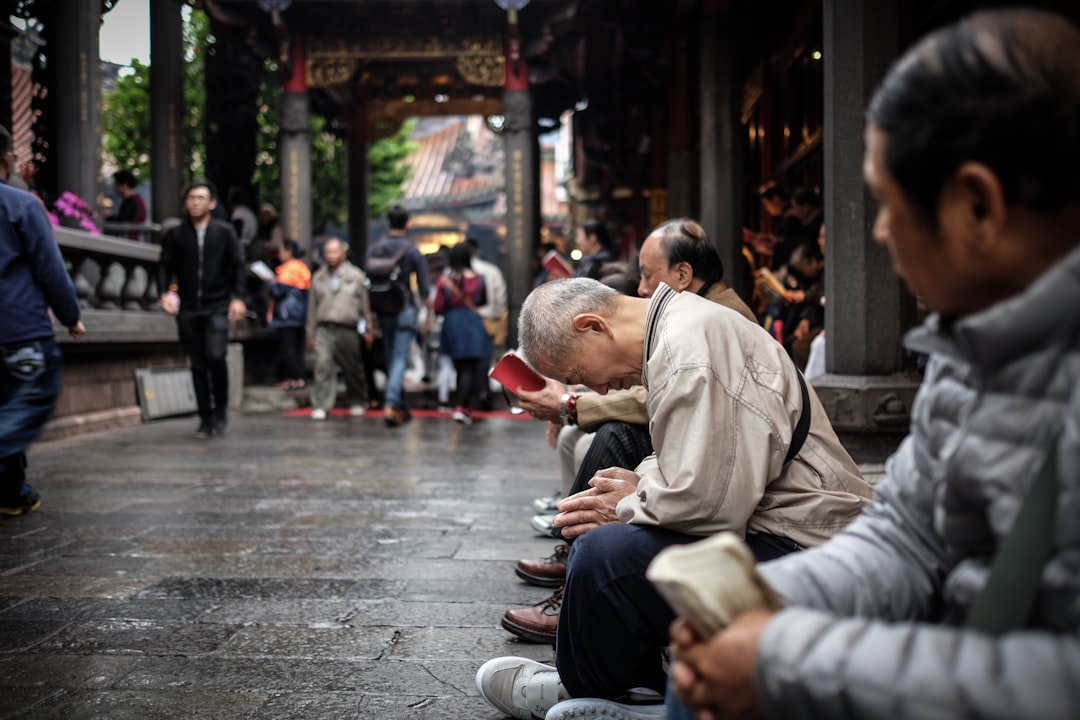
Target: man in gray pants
x: 338, y: 301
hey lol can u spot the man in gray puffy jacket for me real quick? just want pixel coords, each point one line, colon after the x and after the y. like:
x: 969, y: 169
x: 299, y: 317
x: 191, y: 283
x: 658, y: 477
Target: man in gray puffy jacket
x: 973, y: 152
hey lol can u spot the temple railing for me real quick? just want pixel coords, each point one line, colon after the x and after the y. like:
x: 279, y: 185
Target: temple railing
x: 115, y: 279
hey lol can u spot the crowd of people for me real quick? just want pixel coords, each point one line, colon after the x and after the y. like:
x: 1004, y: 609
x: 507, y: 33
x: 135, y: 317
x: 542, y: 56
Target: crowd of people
x: 680, y: 410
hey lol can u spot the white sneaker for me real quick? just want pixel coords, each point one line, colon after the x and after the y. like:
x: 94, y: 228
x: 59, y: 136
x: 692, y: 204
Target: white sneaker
x: 519, y: 687
x: 545, y: 505
x: 543, y: 524
x: 582, y: 708
x: 357, y: 410
x: 318, y: 414
x: 462, y: 416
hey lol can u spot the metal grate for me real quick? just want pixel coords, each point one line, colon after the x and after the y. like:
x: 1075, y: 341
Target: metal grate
x: 164, y: 392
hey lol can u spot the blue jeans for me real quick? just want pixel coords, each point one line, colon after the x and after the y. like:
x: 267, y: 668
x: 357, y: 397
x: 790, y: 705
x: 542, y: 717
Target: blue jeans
x: 30, y: 375
x: 675, y: 709
x: 398, y: 333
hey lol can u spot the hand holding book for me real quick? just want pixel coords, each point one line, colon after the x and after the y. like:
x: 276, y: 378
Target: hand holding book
x: 711, y: 582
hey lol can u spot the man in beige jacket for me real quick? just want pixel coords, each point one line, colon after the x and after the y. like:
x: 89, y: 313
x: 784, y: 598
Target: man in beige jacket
x: 338, y: 301
x: 741, y: 444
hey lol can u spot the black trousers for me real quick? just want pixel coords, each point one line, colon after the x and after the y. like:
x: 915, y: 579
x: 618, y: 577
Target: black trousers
x: 616, y: 444
x: 291, y: 352
x: 205, y: 337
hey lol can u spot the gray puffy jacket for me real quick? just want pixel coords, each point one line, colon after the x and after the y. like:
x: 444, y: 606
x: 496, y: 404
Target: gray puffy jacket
x: 861, y: 636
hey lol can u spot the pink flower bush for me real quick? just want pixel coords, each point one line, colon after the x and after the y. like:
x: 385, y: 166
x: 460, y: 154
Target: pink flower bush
x: 72, y: 211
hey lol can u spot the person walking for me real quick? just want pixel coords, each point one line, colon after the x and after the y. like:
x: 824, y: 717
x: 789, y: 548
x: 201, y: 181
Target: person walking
x: 288, y: 312
x: 398, y: 318
x: 463, y: 338
x: 338, y: 313
x: 204, y: 256
x: 33, y: 279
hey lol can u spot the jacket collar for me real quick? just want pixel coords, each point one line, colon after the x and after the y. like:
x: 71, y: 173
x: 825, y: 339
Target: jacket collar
x: 657, y: 310
x: 1011, y: 328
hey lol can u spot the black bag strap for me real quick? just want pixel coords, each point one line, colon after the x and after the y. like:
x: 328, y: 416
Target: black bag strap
x: 1007, y: 601
x: 802, y: 428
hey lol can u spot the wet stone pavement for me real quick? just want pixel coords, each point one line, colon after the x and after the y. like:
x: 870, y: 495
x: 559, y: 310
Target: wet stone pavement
x: 292, y: 569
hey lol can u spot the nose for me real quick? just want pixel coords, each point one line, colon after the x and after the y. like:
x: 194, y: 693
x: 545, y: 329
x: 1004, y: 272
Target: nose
x: 643, y: 289
x: 880, y: 230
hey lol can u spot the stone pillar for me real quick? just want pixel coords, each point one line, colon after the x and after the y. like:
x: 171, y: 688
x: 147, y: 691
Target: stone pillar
x: 522, y: 179
x: 720, y: 157
x: 359, y: 213
x: 864, y: 312
x: 295, y: 154
x: 167, y: 147
x: 78, y: 98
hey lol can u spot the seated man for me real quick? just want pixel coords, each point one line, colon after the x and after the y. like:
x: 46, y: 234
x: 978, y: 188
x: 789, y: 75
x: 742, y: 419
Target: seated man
x: 741, y: 444
x: 971, y: 150
x: 679, y: 254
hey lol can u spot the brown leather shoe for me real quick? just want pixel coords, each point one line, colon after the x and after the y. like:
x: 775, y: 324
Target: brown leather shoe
x: 546, y: 572
x: 536, y: 623
x: 393, y: 416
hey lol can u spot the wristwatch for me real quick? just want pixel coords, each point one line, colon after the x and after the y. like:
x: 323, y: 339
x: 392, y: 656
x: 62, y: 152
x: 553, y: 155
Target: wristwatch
x: 564, y: 411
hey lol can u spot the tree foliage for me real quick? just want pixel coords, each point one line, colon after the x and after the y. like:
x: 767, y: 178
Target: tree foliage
x: 126, y: 129
x: 125, y: 121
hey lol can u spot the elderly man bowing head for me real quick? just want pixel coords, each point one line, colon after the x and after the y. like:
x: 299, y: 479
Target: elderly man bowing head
x: 740, y: 442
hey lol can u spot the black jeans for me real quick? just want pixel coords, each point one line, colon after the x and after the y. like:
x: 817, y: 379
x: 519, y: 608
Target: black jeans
x: 205, y: 337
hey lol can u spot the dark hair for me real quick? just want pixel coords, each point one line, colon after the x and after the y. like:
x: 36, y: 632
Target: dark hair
x: 807, y: 196
x: 1001, y: 88
x: 683, y: 240
x: 5, y: 140
x: 809, y: 251
x: 474, y: 245
x: 597, y: 228
x: 460, y: 257
x: 294, y: 248
x: 202, y: 182
x: 771, y: 190
x: 398, y: 217
x: 125, y: 177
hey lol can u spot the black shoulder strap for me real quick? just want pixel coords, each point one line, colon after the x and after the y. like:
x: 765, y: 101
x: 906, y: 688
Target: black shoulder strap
x: 1007, y: 601
x: 802, y: 428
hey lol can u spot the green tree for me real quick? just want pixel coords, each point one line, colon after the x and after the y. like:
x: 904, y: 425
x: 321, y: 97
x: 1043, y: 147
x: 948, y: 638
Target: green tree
x: 125, y: 125
x: 387, y: 170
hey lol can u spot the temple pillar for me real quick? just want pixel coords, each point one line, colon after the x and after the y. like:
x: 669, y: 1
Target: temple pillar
x: 358, y: 178
x: 295, y: 155
x: 863, y: 390
x: 167, y: 151
x: 522, y: 178
x: 720, y: 157
x: 78, y: 98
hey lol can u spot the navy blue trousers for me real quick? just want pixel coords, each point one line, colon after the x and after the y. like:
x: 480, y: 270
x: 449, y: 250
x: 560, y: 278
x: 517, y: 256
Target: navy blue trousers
x: 613, y: 624
x: 30, y: 374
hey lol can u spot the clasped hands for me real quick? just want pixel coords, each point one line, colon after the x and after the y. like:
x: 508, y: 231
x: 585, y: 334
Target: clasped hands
x: 583, y: 511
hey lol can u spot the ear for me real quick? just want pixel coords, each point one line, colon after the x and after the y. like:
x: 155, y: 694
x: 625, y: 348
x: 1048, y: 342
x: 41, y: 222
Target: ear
x: 976, y: 194
x: 684, y: 274
x: 591, y: 323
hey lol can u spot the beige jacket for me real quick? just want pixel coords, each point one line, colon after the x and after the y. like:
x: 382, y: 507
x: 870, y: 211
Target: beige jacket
x: 593, y: 409
x: 344, y: 307
x: 723, y: 401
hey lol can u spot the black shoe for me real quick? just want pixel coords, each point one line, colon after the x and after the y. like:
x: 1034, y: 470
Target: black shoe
x: 26, y: 502
x: 221, y: 425
x: 206, y: 429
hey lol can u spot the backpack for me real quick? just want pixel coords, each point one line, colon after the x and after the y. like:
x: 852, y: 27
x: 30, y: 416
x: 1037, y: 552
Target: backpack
x: 387, y: 284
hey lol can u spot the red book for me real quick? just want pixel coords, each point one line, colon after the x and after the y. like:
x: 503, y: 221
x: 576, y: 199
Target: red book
x: 513, y: 373
x: 557, y: 266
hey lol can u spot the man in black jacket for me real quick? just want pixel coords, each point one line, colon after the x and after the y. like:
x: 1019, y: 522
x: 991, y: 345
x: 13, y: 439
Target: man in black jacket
x: 204, y: 256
